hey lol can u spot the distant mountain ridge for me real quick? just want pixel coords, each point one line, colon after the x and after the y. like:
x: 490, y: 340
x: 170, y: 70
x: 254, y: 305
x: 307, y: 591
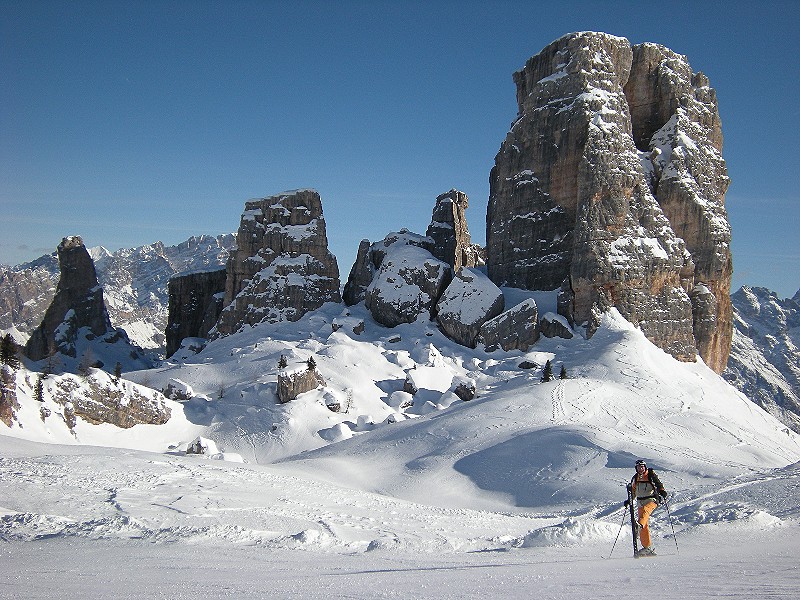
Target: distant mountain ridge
x: 134, y: 281
x: 765, y: 357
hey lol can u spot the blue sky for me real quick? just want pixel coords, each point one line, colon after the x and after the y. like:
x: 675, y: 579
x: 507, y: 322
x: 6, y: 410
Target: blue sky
x: 132, y: 122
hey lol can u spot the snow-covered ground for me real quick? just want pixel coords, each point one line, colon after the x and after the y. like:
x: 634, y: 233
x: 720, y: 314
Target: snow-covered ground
x: 516, y: 493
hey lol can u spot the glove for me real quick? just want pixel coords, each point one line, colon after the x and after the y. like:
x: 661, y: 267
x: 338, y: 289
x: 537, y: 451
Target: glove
x: 627, y: 503
x: 663, y: 493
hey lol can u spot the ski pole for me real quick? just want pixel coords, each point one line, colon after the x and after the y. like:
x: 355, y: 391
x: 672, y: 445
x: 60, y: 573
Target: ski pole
x: 672, y: 526
x: 618, y: 532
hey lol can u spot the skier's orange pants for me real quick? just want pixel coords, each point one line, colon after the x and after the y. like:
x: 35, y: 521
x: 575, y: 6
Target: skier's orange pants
x: 645, y: 510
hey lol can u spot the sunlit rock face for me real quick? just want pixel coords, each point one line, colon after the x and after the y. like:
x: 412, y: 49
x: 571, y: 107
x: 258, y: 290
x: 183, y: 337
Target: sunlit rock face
x: 610, y: 184
x: 282, y: 267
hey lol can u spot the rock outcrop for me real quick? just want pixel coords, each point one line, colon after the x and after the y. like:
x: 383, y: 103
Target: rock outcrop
x: 78, y: 303
x: 195, y: 303
x: 448, y: 230
x: 676, y: 123
x: 515, y: 329
x: 573, y: 201
x: 8, y: 395
x: 469, y: 301
x: 361, y: 274
x: 282, y: 267
x: 77, y: 319
x: 408, y: 281
x: 292, y: 383
x: 96, y: 399
x: 447, y: 239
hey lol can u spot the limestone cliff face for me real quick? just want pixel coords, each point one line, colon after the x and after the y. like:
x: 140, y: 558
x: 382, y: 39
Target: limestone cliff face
x: 195, y: 303
x: 78, y: 303
x: 573, y: 201
x: 676, y: 123
x: 282, y: 267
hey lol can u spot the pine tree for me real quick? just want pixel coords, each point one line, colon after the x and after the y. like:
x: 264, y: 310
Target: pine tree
x: 547, y: 373
x: 117, y: 372
x: 282, y: 362
x: 52, y: 361
x: 312, y: 364
x: 8, y: 351
x: 38, y: 390
x: 563, y: 374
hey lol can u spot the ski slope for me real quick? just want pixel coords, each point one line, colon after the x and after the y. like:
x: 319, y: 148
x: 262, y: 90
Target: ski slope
x: 516, y: 493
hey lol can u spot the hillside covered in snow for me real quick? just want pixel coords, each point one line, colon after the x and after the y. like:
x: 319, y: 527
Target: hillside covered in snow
x: 526, y: 473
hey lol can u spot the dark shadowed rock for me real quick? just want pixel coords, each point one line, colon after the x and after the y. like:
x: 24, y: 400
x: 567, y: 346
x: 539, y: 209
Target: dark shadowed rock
x: 282, y: 267
x: 195, y: 303
x: 469, y: 301
x: 552, y: 325
x: 78, y: 303
x: 515, y: 329
x: 361, y: 274
x: 77, y: 316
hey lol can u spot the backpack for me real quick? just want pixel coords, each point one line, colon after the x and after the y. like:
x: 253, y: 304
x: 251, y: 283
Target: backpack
x: 654, y: 482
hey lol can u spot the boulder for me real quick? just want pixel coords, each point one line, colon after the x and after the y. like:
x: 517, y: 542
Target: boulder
x: 552, y: 325
x: 408, y: 282
x: 292, y: 383
x: 515, y: 329
x: 282, y: 267
x: 464, y: 388
x: 469, y: 301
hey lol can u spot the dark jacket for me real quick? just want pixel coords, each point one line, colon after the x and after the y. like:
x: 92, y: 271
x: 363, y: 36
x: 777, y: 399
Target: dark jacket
x: 648, y: 486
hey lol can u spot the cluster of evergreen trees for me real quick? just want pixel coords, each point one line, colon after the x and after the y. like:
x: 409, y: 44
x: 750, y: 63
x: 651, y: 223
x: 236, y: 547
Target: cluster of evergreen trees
x: 547, y: 372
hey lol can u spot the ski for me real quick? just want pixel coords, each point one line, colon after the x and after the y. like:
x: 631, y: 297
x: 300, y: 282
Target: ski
x: 634, y: 528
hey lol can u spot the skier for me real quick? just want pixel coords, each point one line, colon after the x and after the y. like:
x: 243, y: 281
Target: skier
x: 648, y: 491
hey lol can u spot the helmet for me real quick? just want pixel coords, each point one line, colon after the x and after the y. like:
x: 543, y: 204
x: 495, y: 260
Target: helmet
x: 641, y: 462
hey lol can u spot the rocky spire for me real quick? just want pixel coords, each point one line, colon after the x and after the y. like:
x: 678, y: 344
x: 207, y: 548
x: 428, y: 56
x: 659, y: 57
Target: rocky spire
x: 574, y: 201
x: 449, y: 232
x: 282, y: 267
x: 78, y: 303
